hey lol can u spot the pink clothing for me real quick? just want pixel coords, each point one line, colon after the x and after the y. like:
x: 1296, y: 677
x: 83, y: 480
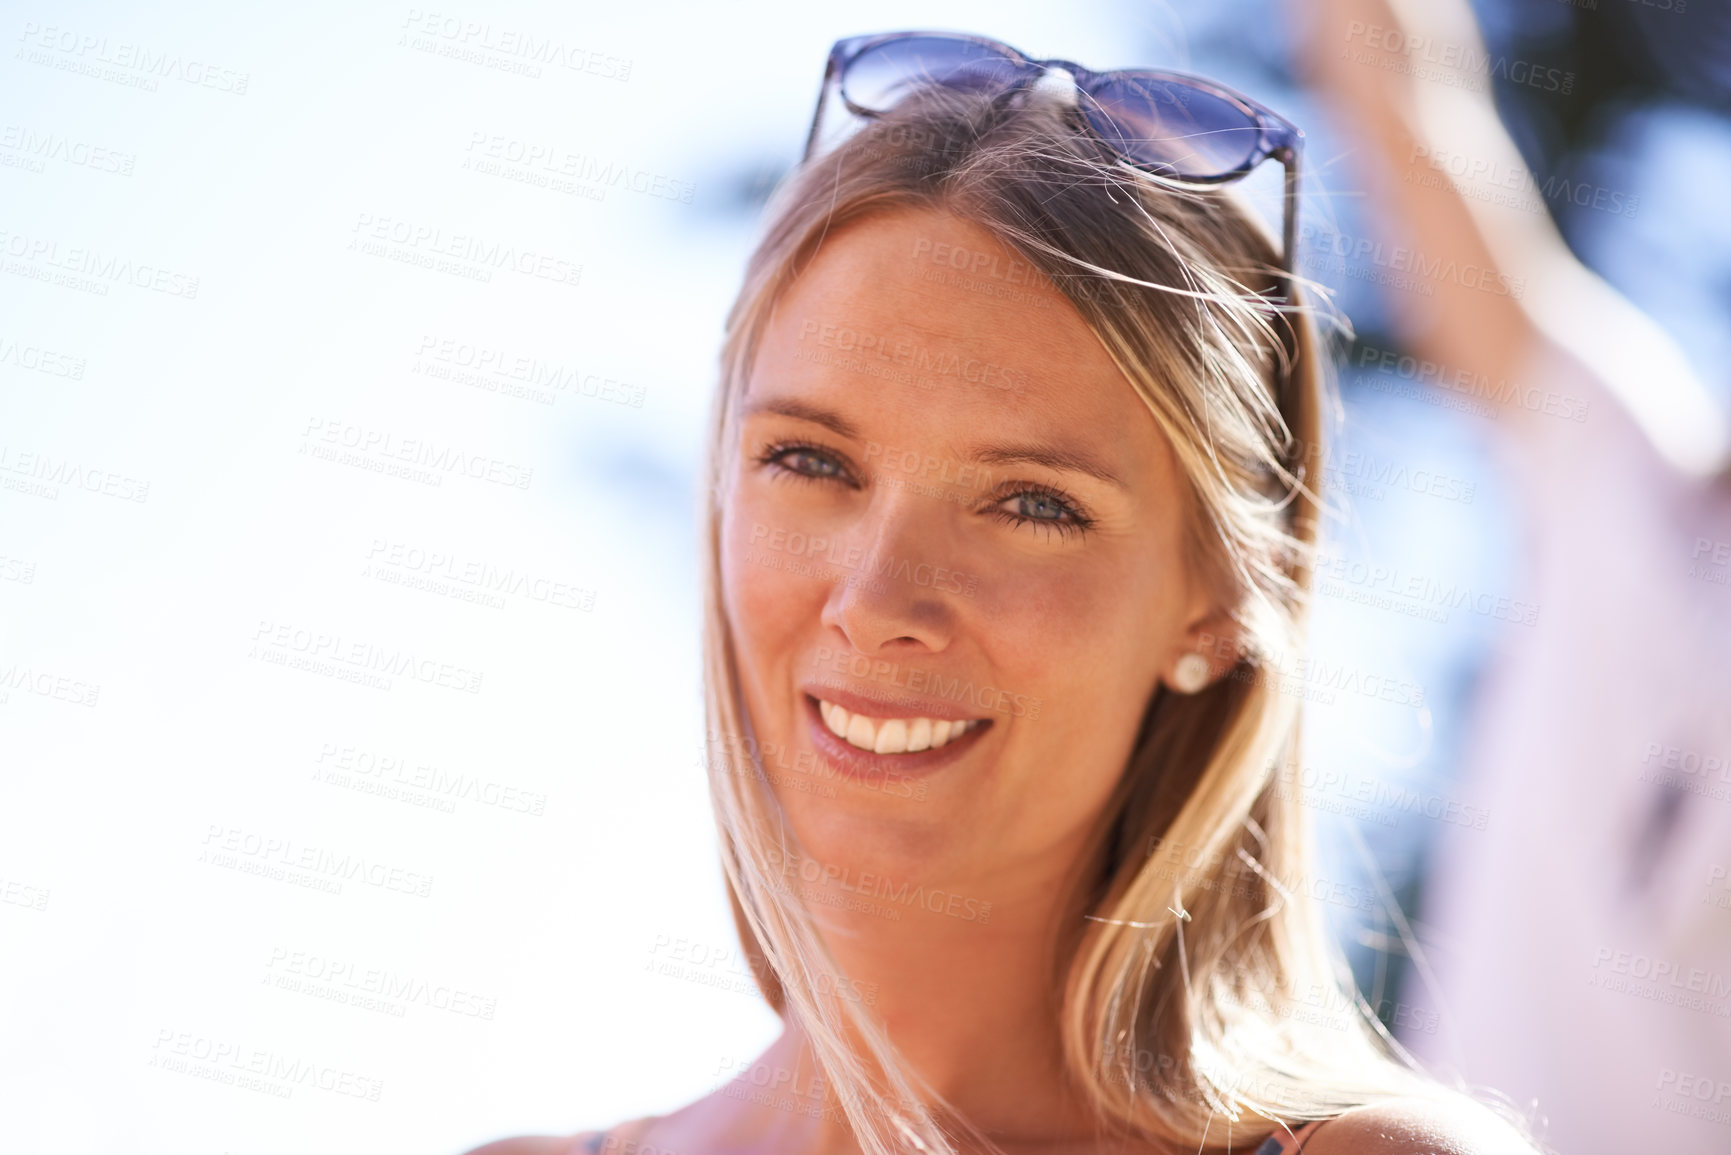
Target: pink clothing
x: 1582, y: 942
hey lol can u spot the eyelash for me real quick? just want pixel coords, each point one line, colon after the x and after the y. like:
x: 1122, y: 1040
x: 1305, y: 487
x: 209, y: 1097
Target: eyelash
x: 1079, y: 523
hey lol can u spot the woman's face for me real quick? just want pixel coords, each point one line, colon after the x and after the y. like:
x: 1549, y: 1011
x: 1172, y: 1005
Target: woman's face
x: 949, y: 506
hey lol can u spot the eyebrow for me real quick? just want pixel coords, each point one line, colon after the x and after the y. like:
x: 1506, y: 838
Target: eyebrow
x: 1051, y: 456
x: 805, y: 411
x: 994, y: 453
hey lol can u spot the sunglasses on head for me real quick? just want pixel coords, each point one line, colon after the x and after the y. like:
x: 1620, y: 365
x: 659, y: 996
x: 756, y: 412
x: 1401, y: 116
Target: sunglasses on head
x: 1180, y: 127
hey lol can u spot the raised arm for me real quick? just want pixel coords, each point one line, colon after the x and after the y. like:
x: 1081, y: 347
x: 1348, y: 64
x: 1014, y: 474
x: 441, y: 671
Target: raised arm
x: 1409, y: 79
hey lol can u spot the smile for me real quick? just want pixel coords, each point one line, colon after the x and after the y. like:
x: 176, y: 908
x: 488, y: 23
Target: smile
x: 893, y: 735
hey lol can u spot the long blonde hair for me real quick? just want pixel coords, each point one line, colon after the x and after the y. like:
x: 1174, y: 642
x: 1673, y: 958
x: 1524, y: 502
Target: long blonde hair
x: 1169, y: 1020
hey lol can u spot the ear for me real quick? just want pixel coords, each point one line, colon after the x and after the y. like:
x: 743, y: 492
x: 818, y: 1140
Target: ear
x: 1213, y: 635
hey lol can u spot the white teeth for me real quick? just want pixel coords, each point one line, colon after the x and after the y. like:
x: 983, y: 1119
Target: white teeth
x: 859, y: 732
x: 920, y: 735
x: 891, y: 735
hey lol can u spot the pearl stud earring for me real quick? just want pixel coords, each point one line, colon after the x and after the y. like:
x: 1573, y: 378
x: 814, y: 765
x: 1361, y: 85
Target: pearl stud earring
x: 1191, y: 673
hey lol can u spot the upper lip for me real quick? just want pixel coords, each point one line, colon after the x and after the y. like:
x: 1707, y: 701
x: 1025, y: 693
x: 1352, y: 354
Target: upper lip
x: 887, y: 706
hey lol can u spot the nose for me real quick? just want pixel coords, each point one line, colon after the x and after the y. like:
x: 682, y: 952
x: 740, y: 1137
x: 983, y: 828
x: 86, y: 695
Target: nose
x: 900, y: 596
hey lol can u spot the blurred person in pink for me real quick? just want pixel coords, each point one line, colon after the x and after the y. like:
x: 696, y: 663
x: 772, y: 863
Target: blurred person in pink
x: 1578, y: 949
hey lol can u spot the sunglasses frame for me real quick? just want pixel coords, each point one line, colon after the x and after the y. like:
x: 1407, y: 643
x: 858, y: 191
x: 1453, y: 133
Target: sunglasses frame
x: 1279, y: 138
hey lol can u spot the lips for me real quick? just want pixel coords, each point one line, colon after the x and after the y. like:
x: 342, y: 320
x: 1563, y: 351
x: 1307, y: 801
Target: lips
x: 892, y: 735
x: 877, y: 707
x: 888, y: 737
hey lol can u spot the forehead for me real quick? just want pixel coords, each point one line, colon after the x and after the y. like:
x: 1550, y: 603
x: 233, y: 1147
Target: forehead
x: 925, y: 311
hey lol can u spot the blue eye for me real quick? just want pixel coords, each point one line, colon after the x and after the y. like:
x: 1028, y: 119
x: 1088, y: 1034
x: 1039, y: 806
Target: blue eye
x: 802, y: 461
x: 1048, y: 508
x: 1043, y: 508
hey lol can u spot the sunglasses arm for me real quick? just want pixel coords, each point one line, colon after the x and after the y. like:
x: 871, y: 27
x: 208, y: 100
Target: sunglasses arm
x: 1289, y: 229
x: 829, y: 74
x: 1288, y: 157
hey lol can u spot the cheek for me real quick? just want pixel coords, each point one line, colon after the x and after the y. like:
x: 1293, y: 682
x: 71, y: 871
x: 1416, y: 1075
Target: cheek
x: 1085, y: 642
x: 1085, y: 620
x: 768, y: 603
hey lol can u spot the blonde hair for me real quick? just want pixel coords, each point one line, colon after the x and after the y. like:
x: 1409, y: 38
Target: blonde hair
x: 1168, y: 1020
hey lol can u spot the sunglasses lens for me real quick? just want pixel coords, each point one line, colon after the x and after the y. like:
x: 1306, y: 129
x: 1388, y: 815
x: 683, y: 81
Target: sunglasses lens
x: 882, y: 75
x: 1179, y: 131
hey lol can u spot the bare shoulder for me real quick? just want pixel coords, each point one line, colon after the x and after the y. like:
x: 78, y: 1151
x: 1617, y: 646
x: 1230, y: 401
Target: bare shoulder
x: 535, y: 1145
x: 1419, y: 1126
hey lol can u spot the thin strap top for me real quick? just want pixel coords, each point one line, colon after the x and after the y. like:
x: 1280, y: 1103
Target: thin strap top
x: 1281, y: 1143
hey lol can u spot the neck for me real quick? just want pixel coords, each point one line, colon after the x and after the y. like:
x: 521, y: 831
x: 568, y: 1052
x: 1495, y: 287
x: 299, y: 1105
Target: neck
x: 965, y: 981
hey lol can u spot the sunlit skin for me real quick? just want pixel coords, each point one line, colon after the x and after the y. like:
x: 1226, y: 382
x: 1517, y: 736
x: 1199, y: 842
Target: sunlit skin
x: 1077, y: 596
x: 1085, y: 621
